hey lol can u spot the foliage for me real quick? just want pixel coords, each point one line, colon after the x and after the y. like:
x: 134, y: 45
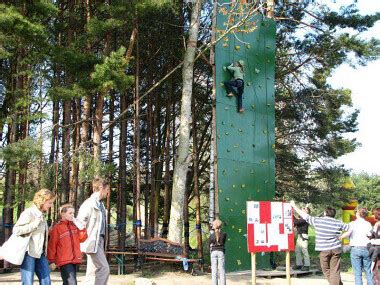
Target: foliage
x: 312, y: 118
x: 111, y: 74
x: 26, y: 150
x: 367, y: 190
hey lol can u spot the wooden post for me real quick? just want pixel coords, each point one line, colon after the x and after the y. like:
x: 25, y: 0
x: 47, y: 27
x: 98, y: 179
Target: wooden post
x: 253, y: 265
x: 288, y: 268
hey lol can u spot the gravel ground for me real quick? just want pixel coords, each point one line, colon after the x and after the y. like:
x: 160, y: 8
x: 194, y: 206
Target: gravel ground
x: 171, y: 278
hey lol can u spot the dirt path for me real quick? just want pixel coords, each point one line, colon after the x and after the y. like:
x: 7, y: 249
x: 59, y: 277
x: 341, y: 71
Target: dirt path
x: 171, y: 278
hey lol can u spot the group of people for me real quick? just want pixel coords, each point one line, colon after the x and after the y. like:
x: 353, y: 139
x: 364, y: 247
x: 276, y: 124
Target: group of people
x: 63, y: 244
x: 364, y: 243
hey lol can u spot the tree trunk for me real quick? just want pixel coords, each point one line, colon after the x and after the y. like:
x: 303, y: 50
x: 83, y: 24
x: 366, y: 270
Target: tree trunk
x: 198, y: 224
x: 121, y: 210
x: 83, y: 153
x: 213, y: 188
x: 97, y: 140
x: 65, y: 187
x: 167, y: 185
x: 152, y: 183
x: 136, y: 142
x: 182, y: 161
x: 76, y: 141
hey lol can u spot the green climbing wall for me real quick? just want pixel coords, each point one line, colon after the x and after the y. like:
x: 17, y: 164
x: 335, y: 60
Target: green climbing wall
x: 245, y: 141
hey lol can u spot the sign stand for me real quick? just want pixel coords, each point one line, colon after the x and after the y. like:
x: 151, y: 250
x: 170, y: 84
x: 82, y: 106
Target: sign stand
x: 253, y: 265
x: 253, y: 268
x: 288, y: 268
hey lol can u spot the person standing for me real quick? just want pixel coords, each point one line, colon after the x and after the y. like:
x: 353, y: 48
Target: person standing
x: 302, y: 242
x: 64, y: 245
x: 32, y: 221
x: 217, y: 248
x: 375, y: 241
x: 360, y: 258
x: 327, y: 232
x: 237, y: 82
x: 92, y: 215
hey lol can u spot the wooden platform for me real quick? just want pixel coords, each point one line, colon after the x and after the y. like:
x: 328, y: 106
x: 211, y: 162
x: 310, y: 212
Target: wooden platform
x: 279, y: 272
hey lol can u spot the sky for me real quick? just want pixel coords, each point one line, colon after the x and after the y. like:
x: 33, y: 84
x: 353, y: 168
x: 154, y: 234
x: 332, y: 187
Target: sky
x: 364, y: 83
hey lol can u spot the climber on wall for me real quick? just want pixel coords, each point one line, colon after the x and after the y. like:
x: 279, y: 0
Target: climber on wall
x: 237, y: 71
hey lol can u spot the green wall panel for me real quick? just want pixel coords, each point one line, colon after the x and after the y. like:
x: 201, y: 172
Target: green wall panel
x: 245, y: 141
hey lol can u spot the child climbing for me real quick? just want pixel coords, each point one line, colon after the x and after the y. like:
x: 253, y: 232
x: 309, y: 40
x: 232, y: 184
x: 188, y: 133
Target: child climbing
x: 217, y: 241
x: 237, y: 82
x: 64, y: 245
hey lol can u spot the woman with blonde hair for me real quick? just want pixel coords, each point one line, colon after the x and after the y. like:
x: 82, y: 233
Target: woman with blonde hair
x: 32, y: 222
x: 217, y: 241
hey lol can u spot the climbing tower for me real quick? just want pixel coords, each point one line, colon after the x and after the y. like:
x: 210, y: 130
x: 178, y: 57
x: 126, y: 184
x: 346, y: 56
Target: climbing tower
x: 245, y: 141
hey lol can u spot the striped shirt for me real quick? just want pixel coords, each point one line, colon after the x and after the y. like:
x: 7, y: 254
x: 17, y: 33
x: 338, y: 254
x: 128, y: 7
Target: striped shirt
x: 327, y: 231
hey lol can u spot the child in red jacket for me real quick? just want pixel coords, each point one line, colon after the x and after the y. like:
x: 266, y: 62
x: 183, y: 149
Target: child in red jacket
x: 64, y: 245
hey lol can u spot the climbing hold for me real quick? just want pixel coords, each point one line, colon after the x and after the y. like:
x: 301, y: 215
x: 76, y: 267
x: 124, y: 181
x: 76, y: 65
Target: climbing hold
x: 242, y: 185
x: 242, y: 151
x: 224, y: 172
x: 218, y: 136
x: 225, y: 45
x: 227, y: 199
x: 228, y: 150
x: 223, y: 122
x: 221, y: 84
x: 266, y: 181
x: 236, y: 145
x: 247, y: 46
x: 252, y: 171
x: 265, y: 131
x: 273, y: 146
x: 240, y: 130
x: 227, y: 133
x: 226, y: 108
x: 268, y: 60
x: 253, y: 145
x: 220, y: 190
x: 236, y: 170
x: 268, y: 104
x: 231, y: 210
x: 237, y: 48
x: 263, y: 161
x: 257, y: 70
x: 238, y: 262
x: 233, y: 186
x: 253, y: 106
x: 240, y: 230
x: 268, y: 47
x: 249, y: 83
x: 243, y: 211
x: 232, y: 125
x: 260, y: 86
x: 232, y: 227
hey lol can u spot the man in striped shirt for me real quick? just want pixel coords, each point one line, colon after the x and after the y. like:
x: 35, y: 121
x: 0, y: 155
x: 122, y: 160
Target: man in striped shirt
x: 327, y: 232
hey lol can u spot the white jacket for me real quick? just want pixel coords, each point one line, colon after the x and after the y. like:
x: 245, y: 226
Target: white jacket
x: 90, y: 216
x: 32, y: 221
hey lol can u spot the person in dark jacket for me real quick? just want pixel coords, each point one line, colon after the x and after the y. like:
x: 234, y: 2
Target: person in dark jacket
x: 217, y: 248
x: 64, y: 245
x: 237, y: 82
x: 302, y: 242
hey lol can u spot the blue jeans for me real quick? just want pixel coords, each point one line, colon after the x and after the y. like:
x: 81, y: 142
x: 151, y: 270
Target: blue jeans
x: 217, y: 266
x: 38, y: 265
x: 360, y: 260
